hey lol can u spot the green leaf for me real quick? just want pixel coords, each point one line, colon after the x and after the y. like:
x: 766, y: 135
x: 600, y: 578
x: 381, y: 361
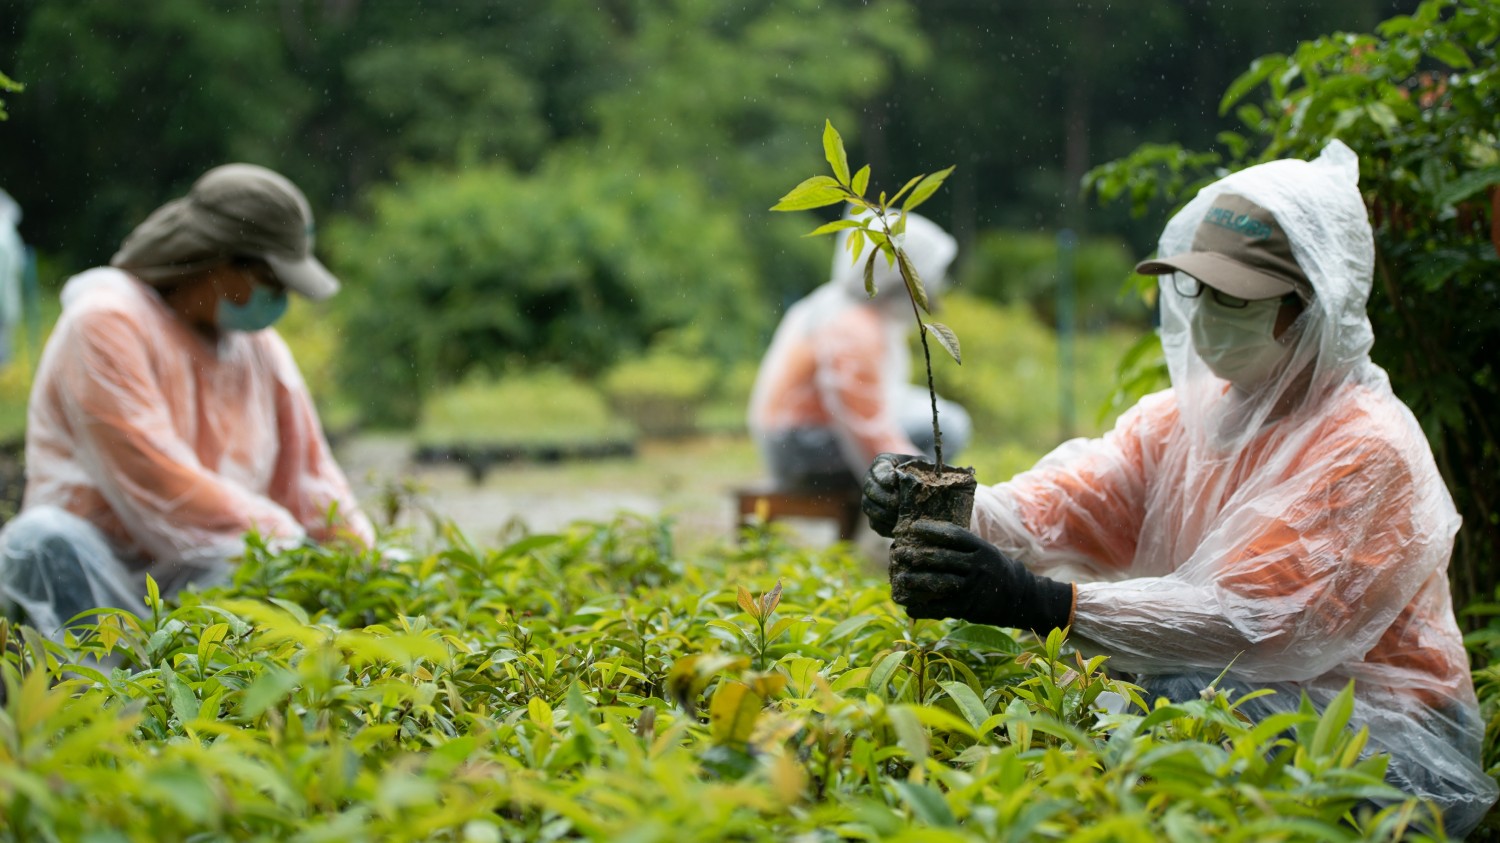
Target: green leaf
x: 884, y: 668
x: 184, y: 702
x: 833, y: 150
x: 982, y: 637
x: 924, y: 191
x: 913, y: 281
x: 861, y: 181
x: 816, y: 192
x: 1466, y: 185
x: 267, y: 690
x: 870, y: 273
x: 829, y: 228
x: 947, y: 339
x: 926, y: 803
x: 900, y: 193
x: 1335, y: 718
x: 910, y: 733
x: 968, y: 702
x: 1450, y: 54
x: 1259, y: 71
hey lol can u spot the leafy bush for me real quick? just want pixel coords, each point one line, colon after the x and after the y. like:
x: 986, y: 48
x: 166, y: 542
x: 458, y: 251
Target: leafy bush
x: 579, y: 265
x: 594, y: 682
x: 560, y: 409
x: 661, y: 391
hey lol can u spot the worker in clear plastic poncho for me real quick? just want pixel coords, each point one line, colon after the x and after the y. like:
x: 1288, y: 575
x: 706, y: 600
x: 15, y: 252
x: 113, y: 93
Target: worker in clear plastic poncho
x: 1277, y: 511
x: 834, y: 388
x: 167, y: 418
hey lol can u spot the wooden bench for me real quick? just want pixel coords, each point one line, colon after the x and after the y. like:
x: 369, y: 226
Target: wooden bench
x: 767, y: 504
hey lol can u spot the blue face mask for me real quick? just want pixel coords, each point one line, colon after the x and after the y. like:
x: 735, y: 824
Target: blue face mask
x: 265, y: 306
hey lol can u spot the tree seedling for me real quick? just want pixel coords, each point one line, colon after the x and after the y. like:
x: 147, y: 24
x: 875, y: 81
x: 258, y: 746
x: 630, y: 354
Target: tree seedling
x: 878, y: 222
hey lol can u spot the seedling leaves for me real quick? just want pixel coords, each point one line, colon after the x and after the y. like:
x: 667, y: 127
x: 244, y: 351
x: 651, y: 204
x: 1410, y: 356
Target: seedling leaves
x: 833, y: 150
x: 947, y: 339
x: 924, y: 191
x: 816, y: 192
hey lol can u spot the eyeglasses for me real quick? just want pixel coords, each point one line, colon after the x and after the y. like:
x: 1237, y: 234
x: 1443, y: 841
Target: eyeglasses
x: 1190, y: 288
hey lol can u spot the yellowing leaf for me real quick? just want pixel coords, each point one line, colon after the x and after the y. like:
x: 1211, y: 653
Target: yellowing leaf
x: 539, y: 712
x: 691, y: 674
x: 788, y: 780
x: 732, y: 713
x: 748, y: 603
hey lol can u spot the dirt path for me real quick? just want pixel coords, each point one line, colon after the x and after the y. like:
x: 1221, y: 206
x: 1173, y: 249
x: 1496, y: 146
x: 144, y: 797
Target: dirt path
x: 689, y: 480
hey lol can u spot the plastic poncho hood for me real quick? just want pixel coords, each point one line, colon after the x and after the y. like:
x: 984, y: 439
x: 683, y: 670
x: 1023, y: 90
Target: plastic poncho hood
x: 1319, y: 206
x: 1294, y: 535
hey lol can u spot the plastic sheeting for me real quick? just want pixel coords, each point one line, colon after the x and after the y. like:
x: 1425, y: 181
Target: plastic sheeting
x: 840, y: 360
x: 173, y: 445
x: 1297, y: 528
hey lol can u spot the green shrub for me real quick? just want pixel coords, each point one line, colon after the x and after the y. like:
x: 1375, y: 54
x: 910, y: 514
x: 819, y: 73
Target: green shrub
x: 579, y: 265
x: 545, y: 407
x: 594, y: 682
x: 661, y: 391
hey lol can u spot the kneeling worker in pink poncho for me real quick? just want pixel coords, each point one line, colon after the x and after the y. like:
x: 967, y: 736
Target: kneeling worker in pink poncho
x: 1276, y: 516
x: 167, y: 418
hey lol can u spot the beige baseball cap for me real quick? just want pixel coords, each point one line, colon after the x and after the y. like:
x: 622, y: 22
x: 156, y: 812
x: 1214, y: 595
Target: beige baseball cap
x: 235, y: 210
x: 1238, y: 249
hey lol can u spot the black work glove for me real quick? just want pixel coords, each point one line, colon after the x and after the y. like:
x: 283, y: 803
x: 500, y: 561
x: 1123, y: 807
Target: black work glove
x: 941, y: 570
x: 879, y: 489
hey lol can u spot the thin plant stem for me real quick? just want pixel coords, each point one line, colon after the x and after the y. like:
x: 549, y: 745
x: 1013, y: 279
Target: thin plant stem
x: 937, y: 433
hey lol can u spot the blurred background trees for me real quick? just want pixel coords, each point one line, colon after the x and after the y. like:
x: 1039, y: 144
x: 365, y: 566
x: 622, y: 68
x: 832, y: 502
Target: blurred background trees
x: 572, y: 188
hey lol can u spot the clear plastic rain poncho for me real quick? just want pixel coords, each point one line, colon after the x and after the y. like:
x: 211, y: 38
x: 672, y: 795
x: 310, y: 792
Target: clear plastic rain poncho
x: 1297, y: 529
x: 840, y: 360
x: 171, y: 445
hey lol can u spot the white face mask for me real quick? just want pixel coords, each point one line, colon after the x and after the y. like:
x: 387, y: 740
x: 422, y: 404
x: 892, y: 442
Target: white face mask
x: 1238, y: 344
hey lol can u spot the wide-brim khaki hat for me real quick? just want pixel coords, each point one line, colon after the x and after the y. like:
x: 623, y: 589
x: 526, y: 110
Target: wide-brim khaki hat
x: 236, y: 210
x: 1239, y: 248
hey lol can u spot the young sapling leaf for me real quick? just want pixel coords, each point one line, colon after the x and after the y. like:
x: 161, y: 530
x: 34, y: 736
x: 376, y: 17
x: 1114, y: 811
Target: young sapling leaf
x: 833, y: 150
x: 861, y: 180
x: 886, y: 230
x: 924, y: 191
x: 947, y: 339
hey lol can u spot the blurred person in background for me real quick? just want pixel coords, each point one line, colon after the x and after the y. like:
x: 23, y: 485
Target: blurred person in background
x: 1277, y: 515
x: 834, y: 388
x: 12, y: 267
x: 167, y: 418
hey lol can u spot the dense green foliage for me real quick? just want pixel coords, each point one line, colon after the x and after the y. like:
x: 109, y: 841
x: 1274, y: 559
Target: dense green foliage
x: 1420, y: 103
x: 358, y: 101
x: 597, y: 685
x: 575, y: 265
